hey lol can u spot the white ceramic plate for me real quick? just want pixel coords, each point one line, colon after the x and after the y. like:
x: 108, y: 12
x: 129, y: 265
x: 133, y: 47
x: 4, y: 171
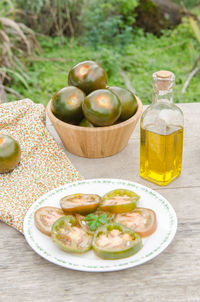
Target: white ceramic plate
x: 152, y: 245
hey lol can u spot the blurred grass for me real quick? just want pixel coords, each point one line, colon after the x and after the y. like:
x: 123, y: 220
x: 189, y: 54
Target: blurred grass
x: 175, y: 50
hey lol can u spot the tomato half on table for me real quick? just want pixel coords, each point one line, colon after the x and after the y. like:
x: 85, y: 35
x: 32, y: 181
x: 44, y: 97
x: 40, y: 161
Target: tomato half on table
x: 67, y: 234
x: 44, y: 218
x: 80, y: 203
x: 119, y: 201
x: 10, y: 153
x: 141, y: 220
x: 116, y: 241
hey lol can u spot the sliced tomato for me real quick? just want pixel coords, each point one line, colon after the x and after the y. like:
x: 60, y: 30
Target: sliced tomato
x: 45, y: 217
x: 83, y: 223
x: 116, y: 241
x: 141, y: 220
x: 80, y: 203
x: 119, y: 201
x: 67, y: 234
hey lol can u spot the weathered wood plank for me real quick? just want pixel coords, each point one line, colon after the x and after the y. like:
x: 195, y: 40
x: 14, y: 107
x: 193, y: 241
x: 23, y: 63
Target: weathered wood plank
x: 173, y: 276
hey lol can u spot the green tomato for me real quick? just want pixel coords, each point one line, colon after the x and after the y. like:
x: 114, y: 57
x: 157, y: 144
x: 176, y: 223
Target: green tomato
x: 88, y: 76
x: 101, y: 107
x: 119, y: 201
x: 10, y: 153
x: 85, y: 123
x: 115, y: 241
x: 69, y: 236
x: 80, y: 203
x: 128, y: 102
x: 66, y: 104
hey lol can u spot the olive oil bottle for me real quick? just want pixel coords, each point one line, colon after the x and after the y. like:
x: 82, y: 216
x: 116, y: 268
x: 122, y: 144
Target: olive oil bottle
x: 161, y: 133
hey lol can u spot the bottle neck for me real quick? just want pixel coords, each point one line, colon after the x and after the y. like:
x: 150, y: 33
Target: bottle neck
x: 163, y: 83
x: 161, y: 96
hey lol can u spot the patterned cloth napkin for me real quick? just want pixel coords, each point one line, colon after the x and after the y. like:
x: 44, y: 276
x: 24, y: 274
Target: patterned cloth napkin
x: 43, y: 166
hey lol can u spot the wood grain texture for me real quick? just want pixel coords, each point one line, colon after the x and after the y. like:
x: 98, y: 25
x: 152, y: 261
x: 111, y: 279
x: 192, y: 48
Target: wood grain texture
x: 95, y: 142
x: 173, y: 276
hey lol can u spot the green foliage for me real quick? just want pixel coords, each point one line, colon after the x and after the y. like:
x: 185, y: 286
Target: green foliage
x: 52, y: 17
x: 108, y: 22
x: 176, y: 50
x: 31, y: 6
x: 188, y: 3
x: 16, y: 41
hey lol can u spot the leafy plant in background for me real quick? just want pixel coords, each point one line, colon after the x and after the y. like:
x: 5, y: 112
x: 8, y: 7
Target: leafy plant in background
x: 188, y: 3
x: 16, y: 41
x: 52, y: 17
x: 176, y: 50
x: 107, y: 22
x: 195, y: 69
x: 126, y: 48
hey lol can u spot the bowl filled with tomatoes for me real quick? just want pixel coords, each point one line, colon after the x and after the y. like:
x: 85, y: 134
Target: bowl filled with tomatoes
x: 93, y: 119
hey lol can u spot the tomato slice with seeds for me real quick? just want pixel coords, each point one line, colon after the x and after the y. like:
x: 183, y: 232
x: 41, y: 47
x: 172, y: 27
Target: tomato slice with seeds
x: 141, y: 220
x: 80, y: 203
x: 119, y: 201
x: 67, y: 234
x: 44, y: 218
x: 116, y: 241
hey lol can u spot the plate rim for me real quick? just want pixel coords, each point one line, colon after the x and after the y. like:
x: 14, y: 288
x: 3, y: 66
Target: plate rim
x: 91, y: 268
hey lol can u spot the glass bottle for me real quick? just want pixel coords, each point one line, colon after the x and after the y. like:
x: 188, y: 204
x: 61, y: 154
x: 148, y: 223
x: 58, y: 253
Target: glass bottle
x: 161, y: 133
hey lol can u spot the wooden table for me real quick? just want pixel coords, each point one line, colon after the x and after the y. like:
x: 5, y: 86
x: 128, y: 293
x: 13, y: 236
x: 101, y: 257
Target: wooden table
x: 173, y: 276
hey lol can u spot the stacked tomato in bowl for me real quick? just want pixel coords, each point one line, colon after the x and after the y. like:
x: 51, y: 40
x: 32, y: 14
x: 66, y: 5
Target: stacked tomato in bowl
x: 89, y: 102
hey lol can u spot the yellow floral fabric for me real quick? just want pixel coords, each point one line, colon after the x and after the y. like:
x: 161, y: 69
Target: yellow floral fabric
x: 43, y: 166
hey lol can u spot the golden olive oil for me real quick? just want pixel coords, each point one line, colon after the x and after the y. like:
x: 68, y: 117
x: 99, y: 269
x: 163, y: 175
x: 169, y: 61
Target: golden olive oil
x: 161, y: 155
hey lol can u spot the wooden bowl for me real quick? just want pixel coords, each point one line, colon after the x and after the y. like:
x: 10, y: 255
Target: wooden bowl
x: 95, y: 142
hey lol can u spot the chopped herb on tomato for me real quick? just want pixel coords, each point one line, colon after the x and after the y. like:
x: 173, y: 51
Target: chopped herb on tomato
x: 96, y: 221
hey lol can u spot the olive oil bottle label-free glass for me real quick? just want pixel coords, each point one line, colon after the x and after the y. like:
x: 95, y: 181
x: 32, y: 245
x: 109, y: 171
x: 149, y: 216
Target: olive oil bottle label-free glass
x: 161, y: 155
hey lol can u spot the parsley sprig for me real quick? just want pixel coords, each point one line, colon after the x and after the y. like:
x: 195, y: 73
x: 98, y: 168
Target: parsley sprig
x: 96, y: 221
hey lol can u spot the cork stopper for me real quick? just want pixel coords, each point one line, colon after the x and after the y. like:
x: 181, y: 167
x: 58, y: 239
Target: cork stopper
x: 164, y: 74
x: 164, y: 79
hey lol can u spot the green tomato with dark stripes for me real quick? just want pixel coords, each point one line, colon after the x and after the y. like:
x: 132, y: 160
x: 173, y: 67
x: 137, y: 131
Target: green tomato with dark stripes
x: 88, y: 76
x: 128, y: 102
x: 101, y: 107
x: 10, y: 153
x: 85, y: 123
x: 66, y: 104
